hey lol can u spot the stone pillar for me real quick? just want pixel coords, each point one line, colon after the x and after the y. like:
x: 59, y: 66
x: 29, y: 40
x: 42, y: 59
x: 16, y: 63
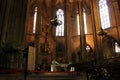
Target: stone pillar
x: 96, y: 27
x: 53, y: 33
x: 82, y: 33
x: 114, y: 10
x: 4, y: 13
x: 37, y: 34
x: 12, y: 22
x: 68, y: 35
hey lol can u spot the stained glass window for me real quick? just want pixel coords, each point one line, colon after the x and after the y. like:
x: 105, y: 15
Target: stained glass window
x: 60, y: 28
x: 104, y: 14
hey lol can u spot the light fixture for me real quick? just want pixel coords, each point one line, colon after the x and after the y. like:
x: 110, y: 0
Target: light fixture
x: 55, y: 21
x: 101, y: 33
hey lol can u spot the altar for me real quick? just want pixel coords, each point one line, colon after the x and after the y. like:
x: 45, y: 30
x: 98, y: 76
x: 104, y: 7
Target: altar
x: 55, y: 66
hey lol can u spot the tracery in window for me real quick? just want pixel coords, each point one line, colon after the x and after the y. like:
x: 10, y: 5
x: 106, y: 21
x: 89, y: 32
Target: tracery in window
x: 78, y: 23
x: 35, y: 19
x: 60, y: 28
x: 104, y: 14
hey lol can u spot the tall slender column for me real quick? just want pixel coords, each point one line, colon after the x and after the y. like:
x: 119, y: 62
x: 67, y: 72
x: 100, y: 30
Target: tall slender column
x: 82, y: 33
x: 10, y: 21
x: 67, y: 35
x: 95, y: 29
x: 4, y: 12
x: 37, y: 35
x: 53, y: 55
x: 116, y: 12
x: 23, y: 22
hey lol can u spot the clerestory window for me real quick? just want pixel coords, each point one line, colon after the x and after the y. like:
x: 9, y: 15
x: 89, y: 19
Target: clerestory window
x: 35, y: 19
x: 78, y: 23
x: 104, y: 14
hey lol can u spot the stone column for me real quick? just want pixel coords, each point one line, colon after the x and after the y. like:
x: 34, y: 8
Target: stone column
x: 82, y: 33
x: 12, y: 22
x: 68, y: 35
x: 4, y: 13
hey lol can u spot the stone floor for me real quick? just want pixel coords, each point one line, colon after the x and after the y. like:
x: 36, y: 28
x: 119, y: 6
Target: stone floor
x: 45, y: 76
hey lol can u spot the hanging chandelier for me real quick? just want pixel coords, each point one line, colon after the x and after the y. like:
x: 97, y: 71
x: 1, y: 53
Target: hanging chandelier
x: 56, y: 21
